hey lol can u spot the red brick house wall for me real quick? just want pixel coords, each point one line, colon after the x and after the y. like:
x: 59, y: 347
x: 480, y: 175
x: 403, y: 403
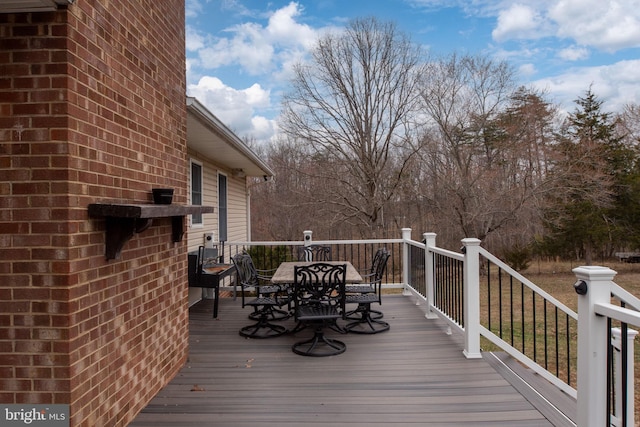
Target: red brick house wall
x: 92, y: 109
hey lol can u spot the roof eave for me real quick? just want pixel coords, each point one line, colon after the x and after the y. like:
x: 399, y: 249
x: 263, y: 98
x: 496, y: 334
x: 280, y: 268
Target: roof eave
x: 236, y: 155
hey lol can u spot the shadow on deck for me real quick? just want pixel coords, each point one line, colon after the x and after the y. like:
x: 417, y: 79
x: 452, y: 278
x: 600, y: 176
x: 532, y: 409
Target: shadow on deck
x: 414, y: 374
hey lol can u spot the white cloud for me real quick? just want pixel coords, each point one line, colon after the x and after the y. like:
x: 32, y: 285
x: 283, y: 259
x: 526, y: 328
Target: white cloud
x: 616, y: 84
x: 609, y: 25
x: 193, y: 40
x: 256, y: 96
x: 192, y: 8
x: 233, y: 6
x: 189, y: 66
x: 247, y: 48
x: 527, y: 69
x: 518, y: 22
x: 266, y: 49
x: 255, y: 48
x: 235, y: 108
x: 573, y: 53
x: 528, y: 53
x: 283, y: 29
x: 263, y: 128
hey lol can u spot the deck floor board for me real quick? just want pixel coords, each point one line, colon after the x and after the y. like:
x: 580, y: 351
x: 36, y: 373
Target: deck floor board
x: 413, y: 375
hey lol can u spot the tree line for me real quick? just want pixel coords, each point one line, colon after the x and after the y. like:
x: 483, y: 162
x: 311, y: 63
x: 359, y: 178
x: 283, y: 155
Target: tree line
x: 377, y: 135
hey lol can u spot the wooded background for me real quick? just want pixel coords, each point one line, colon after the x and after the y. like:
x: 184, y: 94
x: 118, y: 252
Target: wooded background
x: 377, y: 135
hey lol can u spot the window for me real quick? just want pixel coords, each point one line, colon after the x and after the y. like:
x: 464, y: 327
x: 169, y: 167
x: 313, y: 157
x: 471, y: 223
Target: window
x: 222, y: 208
x: 196, y: 191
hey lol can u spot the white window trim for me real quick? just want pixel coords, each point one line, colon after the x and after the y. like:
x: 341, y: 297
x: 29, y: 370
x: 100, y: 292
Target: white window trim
x: 199, y: 163
x: 221, y: 173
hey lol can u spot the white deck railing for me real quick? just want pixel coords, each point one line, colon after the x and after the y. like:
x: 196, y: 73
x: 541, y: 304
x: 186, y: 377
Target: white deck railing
x: 595, y: 288
x: 594, y: 305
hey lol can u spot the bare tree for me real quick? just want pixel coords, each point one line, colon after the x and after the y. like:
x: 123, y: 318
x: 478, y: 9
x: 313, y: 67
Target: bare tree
x: 488, y: 144
x: 354, y: 104
x: 628, y: 124
x: 281, y: 209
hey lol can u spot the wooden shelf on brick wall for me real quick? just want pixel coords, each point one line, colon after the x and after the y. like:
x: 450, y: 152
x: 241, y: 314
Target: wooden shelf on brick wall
x: 123, y: 221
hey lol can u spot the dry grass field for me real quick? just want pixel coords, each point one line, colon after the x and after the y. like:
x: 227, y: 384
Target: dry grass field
x: 557, y: 278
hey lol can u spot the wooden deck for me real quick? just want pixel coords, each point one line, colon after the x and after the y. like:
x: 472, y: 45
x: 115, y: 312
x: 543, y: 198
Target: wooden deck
x: 413, y: 375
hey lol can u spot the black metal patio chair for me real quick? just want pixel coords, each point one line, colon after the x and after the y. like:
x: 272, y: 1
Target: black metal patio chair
x: 364, y: 319
x: 314, y: 253
x: 264, y: 300
x: 367, y: 285
x: 319, y: 301
x: 267, y: 289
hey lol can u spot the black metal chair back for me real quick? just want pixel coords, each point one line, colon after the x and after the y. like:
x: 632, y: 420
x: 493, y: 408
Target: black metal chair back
x: 320, y: 284
x: 379, y: 264
x: 314, y: 253
x: 246, y: 272
x: 374, y: 275
x: 319, y: 297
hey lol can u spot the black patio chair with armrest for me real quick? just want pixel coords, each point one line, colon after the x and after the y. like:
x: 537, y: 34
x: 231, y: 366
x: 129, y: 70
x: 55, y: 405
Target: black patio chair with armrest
x: 315, y: 253
x: 368, y: 283
x: 318, y: 295
x: 267, y: 289
x: 363, y: 320
x: 262, y: 303
x: 369, y: 274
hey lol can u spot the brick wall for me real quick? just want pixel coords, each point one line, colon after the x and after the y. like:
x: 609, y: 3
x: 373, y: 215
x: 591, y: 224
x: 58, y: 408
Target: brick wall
x: 92, y: 109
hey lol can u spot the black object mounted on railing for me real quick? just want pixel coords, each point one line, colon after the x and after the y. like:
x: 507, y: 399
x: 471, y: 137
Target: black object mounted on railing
x: 581, y: 287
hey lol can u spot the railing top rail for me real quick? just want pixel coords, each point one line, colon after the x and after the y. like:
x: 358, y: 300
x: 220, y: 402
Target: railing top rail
x: 416, y: 244
x: 528, y: 282
x: 448, y: 253
x: 625, y: 296
x: 622, y: 314
x: 319, y: 242
x: 266, y: 243
x: 356, y: 242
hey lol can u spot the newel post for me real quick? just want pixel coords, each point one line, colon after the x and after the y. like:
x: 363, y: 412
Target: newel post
x: 430, y: 242
x: 593, y: 287
x: 471, y: 300
x: 307, y: 237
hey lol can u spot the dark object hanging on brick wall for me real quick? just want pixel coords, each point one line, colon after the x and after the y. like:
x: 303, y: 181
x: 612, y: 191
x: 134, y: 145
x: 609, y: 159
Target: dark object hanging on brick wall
x: 162, y: 196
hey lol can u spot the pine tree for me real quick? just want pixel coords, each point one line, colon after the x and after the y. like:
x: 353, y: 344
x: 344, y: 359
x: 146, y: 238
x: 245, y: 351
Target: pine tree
x: 583, y: 219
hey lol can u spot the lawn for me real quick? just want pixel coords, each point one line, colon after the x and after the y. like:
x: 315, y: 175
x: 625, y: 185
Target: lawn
x: 558, y: 279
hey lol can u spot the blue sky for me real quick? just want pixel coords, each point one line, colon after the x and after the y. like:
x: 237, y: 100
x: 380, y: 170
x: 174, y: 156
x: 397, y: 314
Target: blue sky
x: 240, y: 52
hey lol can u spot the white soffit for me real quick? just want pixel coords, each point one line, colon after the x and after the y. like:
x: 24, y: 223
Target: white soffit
x: 207, y: 135
x: 17, y: 6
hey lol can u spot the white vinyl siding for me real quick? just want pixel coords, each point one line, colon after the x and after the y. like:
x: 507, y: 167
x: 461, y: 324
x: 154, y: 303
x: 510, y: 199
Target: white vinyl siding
x: 236, y: 205
x: 237, y: 226
x: 237, y: 215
